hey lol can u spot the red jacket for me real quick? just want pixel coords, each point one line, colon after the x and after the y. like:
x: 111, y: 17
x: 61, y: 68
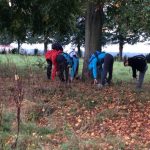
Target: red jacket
x: 52, y: 55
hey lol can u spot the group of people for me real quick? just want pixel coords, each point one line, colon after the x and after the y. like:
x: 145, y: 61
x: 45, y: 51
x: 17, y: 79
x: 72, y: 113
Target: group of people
x: 64, y: 64
x: 100, y: 66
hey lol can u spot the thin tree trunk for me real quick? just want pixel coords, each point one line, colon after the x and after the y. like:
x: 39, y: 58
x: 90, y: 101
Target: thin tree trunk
x: 93, y: 32
x: 45, y: 47
x: 19, y: 45
x: 79, y: 50
x: 121, y: 44
x: 45, y: 42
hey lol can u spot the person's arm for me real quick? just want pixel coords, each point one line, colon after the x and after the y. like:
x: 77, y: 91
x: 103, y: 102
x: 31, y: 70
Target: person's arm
x: 94, y: 64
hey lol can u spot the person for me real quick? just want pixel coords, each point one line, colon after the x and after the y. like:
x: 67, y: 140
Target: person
x: 62, y: 67
x: 75, y: 65
x: 101, y: 64
x: 64, y: 62
x: 50, y: 57
x: 137, y: 63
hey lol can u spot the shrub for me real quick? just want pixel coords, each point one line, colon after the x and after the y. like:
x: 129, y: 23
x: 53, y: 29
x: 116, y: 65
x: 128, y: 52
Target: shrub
x: 40, y: 63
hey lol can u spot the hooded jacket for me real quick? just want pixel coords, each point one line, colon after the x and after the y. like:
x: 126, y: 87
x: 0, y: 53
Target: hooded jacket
x: 95, y: 59
x: 52, y: 55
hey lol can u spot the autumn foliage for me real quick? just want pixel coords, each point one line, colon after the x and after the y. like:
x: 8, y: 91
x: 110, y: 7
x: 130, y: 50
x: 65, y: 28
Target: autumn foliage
x: 79, y: 115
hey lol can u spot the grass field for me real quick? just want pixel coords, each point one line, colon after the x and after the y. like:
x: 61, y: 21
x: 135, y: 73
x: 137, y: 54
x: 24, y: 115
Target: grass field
x: 54, y: 116
x: 120, y: 73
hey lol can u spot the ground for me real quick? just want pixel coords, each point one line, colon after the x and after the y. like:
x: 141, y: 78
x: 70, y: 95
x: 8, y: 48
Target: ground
x: 79, y: 116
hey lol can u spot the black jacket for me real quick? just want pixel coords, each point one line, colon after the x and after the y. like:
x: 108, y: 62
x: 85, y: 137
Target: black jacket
x: 138, y: 63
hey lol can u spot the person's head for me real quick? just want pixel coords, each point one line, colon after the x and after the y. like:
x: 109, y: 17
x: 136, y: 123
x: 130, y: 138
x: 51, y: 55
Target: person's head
x: 126, y: 61
x: 54, y: 46
x: 57, y: 46
x: 60, y: 47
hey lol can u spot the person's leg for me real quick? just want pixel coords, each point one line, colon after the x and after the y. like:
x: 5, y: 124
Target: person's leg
x: 105, y: 69
x: 110, y: 69
x: 49, y: 68
x: 61, y: 67
x: 99, y: 72
x: 61, y: 72
x: 141, y: 78
x: 66, y: 68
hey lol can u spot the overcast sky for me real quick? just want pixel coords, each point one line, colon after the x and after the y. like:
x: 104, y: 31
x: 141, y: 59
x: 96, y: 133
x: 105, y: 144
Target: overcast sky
x: 136, y: 48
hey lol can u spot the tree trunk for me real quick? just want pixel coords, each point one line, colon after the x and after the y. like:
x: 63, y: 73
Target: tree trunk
x: 93, y: 32
x: 19, y: 45
x: 79, y: 50
x: 45, y: 47
x: 45, y: 42
x: 121, y: 44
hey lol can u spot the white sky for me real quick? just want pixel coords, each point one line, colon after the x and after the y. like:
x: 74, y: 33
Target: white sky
x: 136, y: 48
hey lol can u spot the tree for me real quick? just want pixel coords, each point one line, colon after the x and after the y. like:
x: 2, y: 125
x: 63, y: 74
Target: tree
x: 5, y: 37
x: 44, y: 18
x: 118, y: 25
x: 51, y: 18
x: 5, y: 21
x: 78, y: 37
x: 93, y: 30
x: 123, y: 22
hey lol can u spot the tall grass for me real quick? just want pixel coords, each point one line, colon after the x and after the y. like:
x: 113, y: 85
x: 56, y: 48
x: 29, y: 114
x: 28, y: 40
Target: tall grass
x: 20, y: 60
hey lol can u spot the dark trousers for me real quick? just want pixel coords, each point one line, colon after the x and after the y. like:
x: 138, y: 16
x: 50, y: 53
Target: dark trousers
x: 141, y: 77
x: 49, y: 68
x: 107, y: 69
x: 62, y: 68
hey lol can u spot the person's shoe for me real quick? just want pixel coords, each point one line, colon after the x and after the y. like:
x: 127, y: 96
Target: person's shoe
x: 100, y: 86
x: 107, y: 84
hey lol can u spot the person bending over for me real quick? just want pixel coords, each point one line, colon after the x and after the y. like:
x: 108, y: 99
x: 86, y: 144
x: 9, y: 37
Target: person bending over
x: 50, y: 57
x: 101, y: 63
x: 137, y: 63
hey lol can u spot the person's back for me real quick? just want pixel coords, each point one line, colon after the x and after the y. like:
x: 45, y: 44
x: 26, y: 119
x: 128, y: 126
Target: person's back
x: 52, y: 54
x: 50, y: 57
x: 96, y: 60
x: 68, y: 58
x: 101, y: 64
x: 138, y: 62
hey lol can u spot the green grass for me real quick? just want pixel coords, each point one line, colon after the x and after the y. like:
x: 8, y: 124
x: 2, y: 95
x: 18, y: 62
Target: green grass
x: 120, y: 73
x: 20, y: 60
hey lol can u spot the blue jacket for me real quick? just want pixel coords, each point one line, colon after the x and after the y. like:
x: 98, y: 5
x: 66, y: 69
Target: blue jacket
x: 96, y: 58
x: 75, y: 65
x: 68, y: 58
